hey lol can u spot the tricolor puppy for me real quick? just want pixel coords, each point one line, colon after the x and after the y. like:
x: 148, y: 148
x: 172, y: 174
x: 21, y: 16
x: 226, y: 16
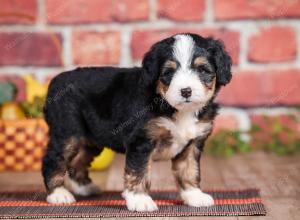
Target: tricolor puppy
x: 161, y: 111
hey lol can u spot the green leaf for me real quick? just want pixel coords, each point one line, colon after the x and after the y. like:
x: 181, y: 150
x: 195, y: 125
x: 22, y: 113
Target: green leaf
x: 7, y: 92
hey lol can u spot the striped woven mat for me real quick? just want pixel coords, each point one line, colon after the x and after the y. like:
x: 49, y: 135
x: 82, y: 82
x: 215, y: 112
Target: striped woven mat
x: 111, y: 204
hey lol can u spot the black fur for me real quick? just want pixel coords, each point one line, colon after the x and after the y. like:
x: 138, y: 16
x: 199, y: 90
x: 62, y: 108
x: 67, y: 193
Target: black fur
x: 221, y: 60
x: 154, y: 59
x: 110, y: 106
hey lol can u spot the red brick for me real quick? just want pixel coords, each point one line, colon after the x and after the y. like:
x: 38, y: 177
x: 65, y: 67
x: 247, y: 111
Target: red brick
x: 18, y: 82
x: 228, y: 122
x: 143, y: 39
x: 30, y: 49
x: 131, y: 10
x: 96, y: 48
x: 93, y: 11
x: 256, y: 9
x: 179, y: 10
x: 273, y: 44
x: 18, y: 12
x: 266, y: 89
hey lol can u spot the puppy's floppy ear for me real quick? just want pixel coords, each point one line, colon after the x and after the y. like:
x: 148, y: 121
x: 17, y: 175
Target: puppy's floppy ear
x: 153, y: 60
x: 222, y: 61
x: 150, y: 67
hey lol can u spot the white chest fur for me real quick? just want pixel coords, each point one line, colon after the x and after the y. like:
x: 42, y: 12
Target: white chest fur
x: 184, y: 127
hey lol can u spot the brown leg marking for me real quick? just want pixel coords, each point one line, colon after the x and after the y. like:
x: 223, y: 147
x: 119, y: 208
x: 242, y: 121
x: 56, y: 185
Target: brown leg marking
x: 71, y: 148
x: 79, y: 163
x: 78, y: 167
x: 56, y: 180
x: 186, y: 167
x: 138, y: 182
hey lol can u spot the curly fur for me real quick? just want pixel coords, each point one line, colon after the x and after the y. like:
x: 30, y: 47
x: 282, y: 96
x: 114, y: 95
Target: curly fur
x: 89, y: 108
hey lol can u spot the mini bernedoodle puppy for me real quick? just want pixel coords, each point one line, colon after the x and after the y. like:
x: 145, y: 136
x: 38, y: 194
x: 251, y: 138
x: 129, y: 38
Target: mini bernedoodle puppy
x: 163, y: 110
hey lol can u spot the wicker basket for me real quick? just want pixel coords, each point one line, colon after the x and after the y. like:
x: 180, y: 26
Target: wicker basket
x: 22, y: 144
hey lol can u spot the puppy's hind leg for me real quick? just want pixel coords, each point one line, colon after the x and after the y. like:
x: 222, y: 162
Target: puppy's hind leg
x: 54, y: 170
x: 78, y: 180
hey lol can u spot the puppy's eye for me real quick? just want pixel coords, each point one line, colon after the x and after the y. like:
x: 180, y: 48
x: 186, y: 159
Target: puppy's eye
x: 208, y: 78
x: 203, y: 70
x: 168, y: 71
x: 206, y: 75
x: 166, y: 76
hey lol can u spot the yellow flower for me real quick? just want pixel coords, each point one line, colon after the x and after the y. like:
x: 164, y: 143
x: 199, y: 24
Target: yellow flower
x: 34, y: 88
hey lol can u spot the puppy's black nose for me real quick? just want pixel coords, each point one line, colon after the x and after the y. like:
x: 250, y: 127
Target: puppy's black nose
x: 186, y: 92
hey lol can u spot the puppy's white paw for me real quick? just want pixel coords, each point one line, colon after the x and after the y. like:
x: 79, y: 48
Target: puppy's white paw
x: 60, y: 195
x: 139, y: 202
x: 195, y: 197
x: 83, y: 190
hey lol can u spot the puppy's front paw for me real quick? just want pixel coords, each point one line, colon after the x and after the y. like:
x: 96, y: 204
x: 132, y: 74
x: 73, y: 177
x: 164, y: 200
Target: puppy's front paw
x: 60, y: 195
x: 195, y: 197
x: 139, y: 202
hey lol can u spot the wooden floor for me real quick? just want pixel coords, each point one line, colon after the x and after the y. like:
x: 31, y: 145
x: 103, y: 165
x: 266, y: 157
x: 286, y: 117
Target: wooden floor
x: 277, y: 177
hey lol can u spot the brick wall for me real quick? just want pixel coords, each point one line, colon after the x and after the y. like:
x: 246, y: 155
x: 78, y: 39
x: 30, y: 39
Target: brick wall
x: 45, y: 37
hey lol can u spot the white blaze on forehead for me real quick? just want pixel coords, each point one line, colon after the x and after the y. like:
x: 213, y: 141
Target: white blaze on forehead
x: 183, y: 49
x: 185, y: 76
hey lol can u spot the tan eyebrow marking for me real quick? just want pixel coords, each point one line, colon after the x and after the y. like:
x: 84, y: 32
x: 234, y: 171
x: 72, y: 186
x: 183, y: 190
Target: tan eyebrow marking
x: 200, y: 61
x: 170, y: 64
